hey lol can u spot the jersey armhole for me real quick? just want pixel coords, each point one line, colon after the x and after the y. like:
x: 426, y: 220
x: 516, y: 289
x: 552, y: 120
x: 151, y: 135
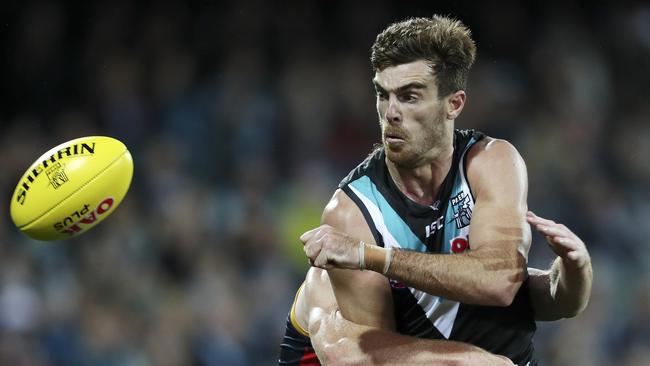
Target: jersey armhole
x: 292, y: 314
x: 463, y: 161
x: 379, y: 240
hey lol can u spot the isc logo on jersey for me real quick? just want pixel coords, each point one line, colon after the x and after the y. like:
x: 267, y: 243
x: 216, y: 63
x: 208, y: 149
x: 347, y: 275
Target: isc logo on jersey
x: 72, y: 187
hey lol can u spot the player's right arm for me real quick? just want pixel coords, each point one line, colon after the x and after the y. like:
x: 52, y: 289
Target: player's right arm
x: 363, y: 297
x: 563, y: 290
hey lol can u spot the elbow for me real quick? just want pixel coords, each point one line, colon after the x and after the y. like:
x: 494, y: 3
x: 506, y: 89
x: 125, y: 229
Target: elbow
x: 505, y: 294
x: 502, y: 299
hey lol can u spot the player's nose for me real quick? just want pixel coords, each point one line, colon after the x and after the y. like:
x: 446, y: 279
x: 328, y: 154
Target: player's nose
x: 393, y: 112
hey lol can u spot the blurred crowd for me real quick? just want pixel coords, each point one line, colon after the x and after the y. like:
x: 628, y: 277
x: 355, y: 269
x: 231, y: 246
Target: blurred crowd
x: 243, y: 116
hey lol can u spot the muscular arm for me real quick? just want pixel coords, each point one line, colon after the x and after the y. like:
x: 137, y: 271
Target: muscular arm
x: 563, y: 290
x: 492, y: 272
x: 363, y: 297
x: 338, y: 341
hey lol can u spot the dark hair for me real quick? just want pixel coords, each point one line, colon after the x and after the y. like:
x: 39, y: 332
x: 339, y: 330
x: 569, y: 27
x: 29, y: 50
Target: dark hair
x: 444, y: 42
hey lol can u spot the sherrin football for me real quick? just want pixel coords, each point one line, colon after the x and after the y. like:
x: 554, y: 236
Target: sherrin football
x: 72, y: 188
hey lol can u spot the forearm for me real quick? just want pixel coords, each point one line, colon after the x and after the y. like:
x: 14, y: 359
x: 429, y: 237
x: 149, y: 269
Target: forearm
x: 482, y: 277
x: 570, y: 287
x: 340, y: 342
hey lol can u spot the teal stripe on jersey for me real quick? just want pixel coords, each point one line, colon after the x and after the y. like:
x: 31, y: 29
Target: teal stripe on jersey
x: 391, y: 220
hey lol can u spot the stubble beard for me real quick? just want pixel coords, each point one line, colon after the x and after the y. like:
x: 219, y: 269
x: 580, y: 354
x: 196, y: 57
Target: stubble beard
x: 420, y: 149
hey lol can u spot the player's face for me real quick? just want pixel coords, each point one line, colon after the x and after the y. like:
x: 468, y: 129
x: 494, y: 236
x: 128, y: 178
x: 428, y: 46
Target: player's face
x: 411, y: 116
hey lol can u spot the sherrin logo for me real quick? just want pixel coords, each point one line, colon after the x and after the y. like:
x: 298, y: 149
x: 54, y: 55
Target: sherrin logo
x: 52, y: 167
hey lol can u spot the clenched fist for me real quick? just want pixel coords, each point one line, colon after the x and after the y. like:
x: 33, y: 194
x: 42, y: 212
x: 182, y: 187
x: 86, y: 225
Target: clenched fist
x: 329, y: 248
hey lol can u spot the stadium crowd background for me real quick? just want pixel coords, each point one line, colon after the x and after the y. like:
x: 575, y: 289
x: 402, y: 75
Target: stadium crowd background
x: 243, y: 116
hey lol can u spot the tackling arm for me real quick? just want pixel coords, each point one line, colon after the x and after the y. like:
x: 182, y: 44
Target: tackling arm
x: 563, y: 290
x: 338, y: 341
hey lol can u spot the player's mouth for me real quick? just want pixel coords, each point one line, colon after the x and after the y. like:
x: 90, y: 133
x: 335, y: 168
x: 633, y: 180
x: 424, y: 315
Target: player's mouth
x: 393, y: 138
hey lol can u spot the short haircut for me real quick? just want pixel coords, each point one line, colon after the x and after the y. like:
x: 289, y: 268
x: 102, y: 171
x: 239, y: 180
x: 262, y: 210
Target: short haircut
x: 444, y: 42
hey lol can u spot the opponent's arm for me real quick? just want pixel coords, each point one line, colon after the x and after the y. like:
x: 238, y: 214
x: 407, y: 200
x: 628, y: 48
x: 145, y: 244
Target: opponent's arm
x: 345, y: 343
x: 338, y: 341
x: 492, y: 272
x: 363, y: 297
x: 563, y: 290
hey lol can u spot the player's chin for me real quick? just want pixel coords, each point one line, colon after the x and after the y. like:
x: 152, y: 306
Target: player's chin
x: 399, y: 155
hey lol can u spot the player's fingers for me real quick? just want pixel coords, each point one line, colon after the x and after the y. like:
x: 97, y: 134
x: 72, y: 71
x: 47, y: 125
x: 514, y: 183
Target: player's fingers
x: 321, y: 260
x: 551, y: 230
x: 534, y: 219
x: 564, y: 242
x: 539, y: 221
x: 307, y: 235
x: 573, y: 255
x: 312, y: 250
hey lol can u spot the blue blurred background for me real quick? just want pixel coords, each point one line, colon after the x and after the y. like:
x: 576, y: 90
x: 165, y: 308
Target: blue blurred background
x: 243, y: 116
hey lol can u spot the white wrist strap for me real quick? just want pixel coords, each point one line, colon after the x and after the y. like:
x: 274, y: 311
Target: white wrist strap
x: 389, y: 258
x: 362, y: 255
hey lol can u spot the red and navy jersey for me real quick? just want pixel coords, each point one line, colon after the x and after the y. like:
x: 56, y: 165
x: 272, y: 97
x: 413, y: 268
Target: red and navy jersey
x: 296, y: 349
x: 398, y: 222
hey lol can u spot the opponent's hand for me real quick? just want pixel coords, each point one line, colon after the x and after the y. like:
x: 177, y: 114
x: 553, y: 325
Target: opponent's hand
x: 329, y: 248
x: 563, y: 241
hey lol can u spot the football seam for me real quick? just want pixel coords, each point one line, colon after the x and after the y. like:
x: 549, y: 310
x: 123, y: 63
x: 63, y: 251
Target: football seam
x: 75, y: 191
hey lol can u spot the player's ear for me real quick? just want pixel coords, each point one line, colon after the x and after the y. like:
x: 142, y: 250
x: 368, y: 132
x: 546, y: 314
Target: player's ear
x: 454, y: 103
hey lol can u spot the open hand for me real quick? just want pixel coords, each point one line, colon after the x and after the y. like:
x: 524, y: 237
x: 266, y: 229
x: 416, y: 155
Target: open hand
x: 563, y: 241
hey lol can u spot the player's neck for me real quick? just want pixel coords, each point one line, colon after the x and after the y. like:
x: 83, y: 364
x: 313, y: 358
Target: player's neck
x: 421, y: 184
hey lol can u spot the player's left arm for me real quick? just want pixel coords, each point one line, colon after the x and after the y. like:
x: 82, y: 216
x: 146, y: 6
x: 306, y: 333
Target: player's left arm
x: 493, y: 270
x: 564, y: 289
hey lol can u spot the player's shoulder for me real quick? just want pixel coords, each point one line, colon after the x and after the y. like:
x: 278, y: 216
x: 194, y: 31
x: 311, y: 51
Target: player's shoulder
x: 339, y: 207
x: 494, y: 160
x: 490, y: 150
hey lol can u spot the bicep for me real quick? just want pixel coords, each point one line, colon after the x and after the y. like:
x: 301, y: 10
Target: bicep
x: 499, y: 180
x: 363, y: 297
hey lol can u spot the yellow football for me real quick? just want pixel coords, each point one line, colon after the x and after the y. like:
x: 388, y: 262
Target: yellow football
x: 72, y: 187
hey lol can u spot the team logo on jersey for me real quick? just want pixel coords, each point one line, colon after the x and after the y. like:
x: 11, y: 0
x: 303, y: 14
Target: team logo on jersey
x: 462, y: 210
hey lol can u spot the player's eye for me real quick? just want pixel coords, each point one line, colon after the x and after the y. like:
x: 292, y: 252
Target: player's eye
x: 409, y: 98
